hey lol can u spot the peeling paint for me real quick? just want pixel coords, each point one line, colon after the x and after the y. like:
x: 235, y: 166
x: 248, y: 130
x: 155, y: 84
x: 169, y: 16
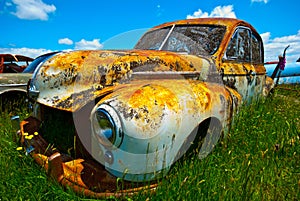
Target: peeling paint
x: 67, y: 75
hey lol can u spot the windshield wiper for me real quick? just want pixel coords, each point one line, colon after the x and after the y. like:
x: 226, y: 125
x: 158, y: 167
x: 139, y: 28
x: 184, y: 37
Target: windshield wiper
x: 165, y: 40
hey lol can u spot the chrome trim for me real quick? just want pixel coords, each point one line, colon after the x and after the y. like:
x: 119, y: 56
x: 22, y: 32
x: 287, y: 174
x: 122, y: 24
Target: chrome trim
x: 114, y: 119
x: 33, y: 94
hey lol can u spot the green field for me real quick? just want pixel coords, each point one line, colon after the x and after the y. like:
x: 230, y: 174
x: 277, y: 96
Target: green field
x: 258, y: 160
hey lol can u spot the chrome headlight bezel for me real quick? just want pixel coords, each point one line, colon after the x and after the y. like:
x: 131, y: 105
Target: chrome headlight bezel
x: 106, y: 126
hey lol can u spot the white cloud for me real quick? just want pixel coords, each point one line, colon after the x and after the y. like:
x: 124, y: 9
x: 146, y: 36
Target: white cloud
x: 30, y: 52
x: 219, y: 11
x: 65, y: 41
x: 265, y: 1
x: 265, y: 37
x: 275, y: 47
x: 198, y: 14
x: 33, y: 53
x: 32, y: 9
x: 84, y: 44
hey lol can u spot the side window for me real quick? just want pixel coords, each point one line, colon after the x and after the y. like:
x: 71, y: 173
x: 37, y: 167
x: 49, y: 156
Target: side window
x: 239, y: 47
x: 257, y: 51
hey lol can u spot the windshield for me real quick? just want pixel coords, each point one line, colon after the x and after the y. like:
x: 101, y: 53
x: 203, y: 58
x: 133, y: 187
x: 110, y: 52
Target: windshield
x: 192, y: 39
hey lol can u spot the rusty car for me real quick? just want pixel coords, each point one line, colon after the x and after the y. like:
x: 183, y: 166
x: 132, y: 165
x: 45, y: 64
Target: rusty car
x: 100, y: 115
x: 15, y: 72
x: 12, y: 81
x: 13, y: 63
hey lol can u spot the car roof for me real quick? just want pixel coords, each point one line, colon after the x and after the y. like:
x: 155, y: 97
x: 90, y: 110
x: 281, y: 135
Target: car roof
x: 228, y: 22
x: 15, y: 58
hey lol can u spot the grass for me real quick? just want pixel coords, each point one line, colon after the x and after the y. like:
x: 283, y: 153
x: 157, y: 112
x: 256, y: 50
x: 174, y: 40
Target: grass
x: 258, y: 160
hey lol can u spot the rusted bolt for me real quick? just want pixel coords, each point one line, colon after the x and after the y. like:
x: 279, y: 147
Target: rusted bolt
x: 108, y: 157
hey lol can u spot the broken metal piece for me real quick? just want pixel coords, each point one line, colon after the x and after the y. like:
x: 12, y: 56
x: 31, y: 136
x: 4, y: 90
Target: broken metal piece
x: 55, y: 167
x: 84, y: 176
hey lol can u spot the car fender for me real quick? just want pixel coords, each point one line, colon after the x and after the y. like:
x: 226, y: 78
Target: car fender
x: 146, y: 110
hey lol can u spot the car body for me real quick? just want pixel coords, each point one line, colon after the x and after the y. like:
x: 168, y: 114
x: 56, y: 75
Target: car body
x: 12, y: 81
x: 11, y: 64
x: 137, y: 111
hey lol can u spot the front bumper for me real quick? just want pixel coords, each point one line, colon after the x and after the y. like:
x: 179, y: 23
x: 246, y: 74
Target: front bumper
x: 83, y: 175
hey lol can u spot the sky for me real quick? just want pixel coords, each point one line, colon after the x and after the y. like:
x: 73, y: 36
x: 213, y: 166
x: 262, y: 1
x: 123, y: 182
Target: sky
x: 34, y: 27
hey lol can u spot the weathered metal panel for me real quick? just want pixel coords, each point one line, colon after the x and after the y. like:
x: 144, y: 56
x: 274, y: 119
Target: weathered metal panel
x: 158, y: 116
x: 13, y: 82
x: 70, y: 80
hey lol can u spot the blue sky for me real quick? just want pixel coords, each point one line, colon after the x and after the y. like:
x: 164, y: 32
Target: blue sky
x: 33, y: 27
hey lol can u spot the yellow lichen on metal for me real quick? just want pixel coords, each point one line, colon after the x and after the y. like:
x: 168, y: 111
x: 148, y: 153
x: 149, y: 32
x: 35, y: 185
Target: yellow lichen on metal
x: 154, y: 95
x: 268, y: 86
x: 69, y: 80
x: 146, y: 105
x: 202, y: 96
x: 149, y: 104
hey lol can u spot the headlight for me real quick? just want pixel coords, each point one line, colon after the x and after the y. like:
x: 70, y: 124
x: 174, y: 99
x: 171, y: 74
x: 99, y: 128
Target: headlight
x: 107, y: 126
x: 106, y: 129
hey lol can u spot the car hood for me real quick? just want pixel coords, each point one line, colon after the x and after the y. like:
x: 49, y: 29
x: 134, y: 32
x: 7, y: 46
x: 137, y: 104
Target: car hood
x: 69, y: 80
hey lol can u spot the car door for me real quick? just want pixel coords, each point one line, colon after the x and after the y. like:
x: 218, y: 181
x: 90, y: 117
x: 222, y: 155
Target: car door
x: 242, y: 62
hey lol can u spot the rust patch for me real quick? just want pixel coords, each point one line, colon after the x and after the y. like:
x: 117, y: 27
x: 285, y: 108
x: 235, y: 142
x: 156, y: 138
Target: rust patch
x: 69, y: 76
x: 202, y: 95
x: 85, y: 176
x: 150, y: 95
x: 147, y: 105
